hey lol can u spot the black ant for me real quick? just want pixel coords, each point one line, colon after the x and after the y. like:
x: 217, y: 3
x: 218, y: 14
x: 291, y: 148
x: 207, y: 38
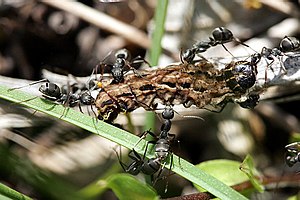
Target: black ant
x: 122, y: 65
x: 293, y: 153
x: 140, y: 164
x: 49, y: 90
x: 241, y: 75
x: 74, y: 95
x: 161, y: 147
x: 287, y: 44
x: 220, y: 36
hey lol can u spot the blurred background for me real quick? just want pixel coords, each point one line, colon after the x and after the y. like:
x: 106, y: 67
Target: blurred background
x: 46, y: 158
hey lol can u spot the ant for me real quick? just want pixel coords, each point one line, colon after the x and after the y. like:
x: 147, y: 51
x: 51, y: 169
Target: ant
x: 74, y: 95
x: 140, y: 164
x: 287, y: 44
x: 161, y: 147
x: 120, y: 67
x: 49, y: 90
x: 241, y: 75
x: 293, y: 153
x: 220, y: 36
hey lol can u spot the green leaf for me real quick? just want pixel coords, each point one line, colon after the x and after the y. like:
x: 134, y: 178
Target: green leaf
x: 11, y: 194
x: 293, y: 198
x: 295, y: 137
x: 126, y: 186
x: 126, y: 139
x: 155, y: 50
x: 226, y: 171
x: 248, y: 168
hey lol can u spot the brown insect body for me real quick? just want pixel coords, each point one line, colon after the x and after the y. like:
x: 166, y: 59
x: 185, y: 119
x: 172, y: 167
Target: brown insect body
x: 199, y: 84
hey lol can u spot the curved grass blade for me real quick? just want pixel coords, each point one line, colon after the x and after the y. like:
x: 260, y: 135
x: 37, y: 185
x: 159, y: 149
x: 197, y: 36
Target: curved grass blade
x: 11, y: 194
x: 126, y: 139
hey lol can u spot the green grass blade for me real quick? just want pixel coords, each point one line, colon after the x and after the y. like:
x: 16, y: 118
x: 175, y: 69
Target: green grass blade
x: 159, y: 29
x: 126, y: 139
x: 10, y: 193
x: 155, y: 50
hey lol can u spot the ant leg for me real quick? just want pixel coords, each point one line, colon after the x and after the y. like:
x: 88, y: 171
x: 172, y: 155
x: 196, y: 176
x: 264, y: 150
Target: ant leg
x: 119, y: 156
x: 20, y: 102
x: 227, y: 50
x: 148, y: 142
x: 94, y: 112
x: 172, y: 136
x: 135, y: 71
x: 282, y: 67
x: 180, y: 56
x: 179, y: 158
x: 64, y: 112
x: 146, y: 149
x: 154, y: 181
x: 135, y: 156
x: 141, y: 136
x: 133, y: 168
x: 269, y: 65
x: 171, y: 165
x: 80, y: 109
x: 139, y: 59
x: 101, y: 66
x: 242, y: 43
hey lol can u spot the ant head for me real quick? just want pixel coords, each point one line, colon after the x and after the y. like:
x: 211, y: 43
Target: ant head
x: 123, y: 54
x: 188, y: 55
x: 168, y: 112
x: 289, y: 44
x: 222, y: 35
x: 251, y: 101
x: 50, y: 89
x: 87, y: 99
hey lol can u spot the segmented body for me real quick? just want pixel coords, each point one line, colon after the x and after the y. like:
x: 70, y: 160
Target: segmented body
x: 199, y: 84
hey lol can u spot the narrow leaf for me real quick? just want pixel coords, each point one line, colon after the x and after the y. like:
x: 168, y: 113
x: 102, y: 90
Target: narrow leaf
x: 126, y: 139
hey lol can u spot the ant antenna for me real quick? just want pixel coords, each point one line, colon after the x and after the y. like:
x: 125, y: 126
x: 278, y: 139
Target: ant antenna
x: 167, y: 111
x: 32, y: 83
